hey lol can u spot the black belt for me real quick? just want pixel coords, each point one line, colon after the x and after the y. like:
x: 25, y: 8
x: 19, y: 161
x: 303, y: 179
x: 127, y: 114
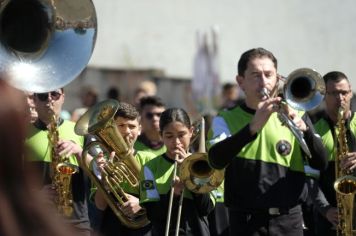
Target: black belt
x: 271, y: 211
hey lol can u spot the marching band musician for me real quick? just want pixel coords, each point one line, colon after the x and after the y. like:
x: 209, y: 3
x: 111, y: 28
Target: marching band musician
x: 151, y: 108
x: 22, y: 212
x: 338, y: 95
x: 264, y: 179
x: 127, y: 120
x: 157, y: 176
x: 39, y: 154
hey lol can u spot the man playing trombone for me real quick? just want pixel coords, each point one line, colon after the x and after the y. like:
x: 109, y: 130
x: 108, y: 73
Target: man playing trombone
x: 264, y: 178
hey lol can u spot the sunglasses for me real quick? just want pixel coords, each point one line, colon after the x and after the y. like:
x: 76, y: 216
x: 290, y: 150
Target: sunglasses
x: 44, y: 96
x: 149, y: 115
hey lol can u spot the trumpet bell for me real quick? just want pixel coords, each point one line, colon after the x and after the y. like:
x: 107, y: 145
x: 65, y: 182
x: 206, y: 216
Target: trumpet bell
x: 198, y: 176
x: 304, y: 89
x: 44, y: 44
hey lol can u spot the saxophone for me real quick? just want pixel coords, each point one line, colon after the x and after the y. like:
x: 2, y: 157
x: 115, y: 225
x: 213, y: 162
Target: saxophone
x: 345, y: 184
x: 61, y: 173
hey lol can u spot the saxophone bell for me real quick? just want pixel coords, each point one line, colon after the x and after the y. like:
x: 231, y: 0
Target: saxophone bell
x: 345, y: 185
x: 64, y: 204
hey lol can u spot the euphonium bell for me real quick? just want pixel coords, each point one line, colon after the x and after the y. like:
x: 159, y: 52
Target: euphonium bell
x: 99, y: 121
x: 45, y: 44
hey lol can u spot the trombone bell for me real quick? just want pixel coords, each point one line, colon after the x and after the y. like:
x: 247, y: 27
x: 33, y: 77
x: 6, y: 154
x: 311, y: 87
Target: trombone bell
x: 198, y: 176
x: 304, y: 89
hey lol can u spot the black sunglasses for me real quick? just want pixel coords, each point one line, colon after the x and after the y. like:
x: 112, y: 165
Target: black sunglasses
x: 149, y: 115
x: 44, y: 96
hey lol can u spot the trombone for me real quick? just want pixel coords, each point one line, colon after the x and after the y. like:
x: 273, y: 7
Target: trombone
x: 304, y: 90
x: 195, y: 173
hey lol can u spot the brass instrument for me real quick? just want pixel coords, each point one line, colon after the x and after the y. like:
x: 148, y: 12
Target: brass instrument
x: 45, y: 44
x: 303, y: 90
x: 61, y: 173
x: 345, y: 184
x: 196, y: 172
x: 99, y: 121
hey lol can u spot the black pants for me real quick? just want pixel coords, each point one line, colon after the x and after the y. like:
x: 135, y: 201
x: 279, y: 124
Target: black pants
x: 219, y: 220
x: 323, y: 227
x: 111, y: 226
x: 261, y: 223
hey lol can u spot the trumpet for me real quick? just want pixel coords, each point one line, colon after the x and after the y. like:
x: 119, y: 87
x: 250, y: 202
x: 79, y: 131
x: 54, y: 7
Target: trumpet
x: 98, y: 120
x: 304, y: 90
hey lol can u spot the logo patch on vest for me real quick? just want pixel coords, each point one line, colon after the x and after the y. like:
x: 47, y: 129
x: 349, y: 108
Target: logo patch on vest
x: 283, y: 147
x: 147, y: 185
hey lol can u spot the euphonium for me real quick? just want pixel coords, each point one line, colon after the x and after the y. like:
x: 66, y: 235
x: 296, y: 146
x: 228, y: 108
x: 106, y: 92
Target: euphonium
x: 345, y: 184
x: 99, y: 121
x: 61, y: 173
x: 196, y: 172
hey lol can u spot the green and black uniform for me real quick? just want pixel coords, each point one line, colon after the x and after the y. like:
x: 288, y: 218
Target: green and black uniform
x: 39, y: 155
x: 110, y: 224
x: 264, y: 178
x: 155, y: 187
x: 219, y: 217
x: 144, y: 144
x: 327, y: 197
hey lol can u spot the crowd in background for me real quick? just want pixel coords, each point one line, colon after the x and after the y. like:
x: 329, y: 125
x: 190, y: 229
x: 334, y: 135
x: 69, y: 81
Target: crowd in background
x: 158, y: 121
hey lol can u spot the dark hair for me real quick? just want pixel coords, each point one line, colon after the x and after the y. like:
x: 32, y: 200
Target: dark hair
x: 113, y: 93
x: 174, y: 115
x: 251, y: 54
x: 151, y: 100
x: 228, y: 86
x: 334, y: 76
x: 127, y: 111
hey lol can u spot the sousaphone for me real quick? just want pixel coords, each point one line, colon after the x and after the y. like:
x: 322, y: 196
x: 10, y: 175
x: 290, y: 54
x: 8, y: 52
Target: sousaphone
x: 45, y: 44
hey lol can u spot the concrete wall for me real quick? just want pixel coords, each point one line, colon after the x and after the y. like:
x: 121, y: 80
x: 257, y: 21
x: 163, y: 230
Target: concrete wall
x: 137, y: 38
x: 161, y: 34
